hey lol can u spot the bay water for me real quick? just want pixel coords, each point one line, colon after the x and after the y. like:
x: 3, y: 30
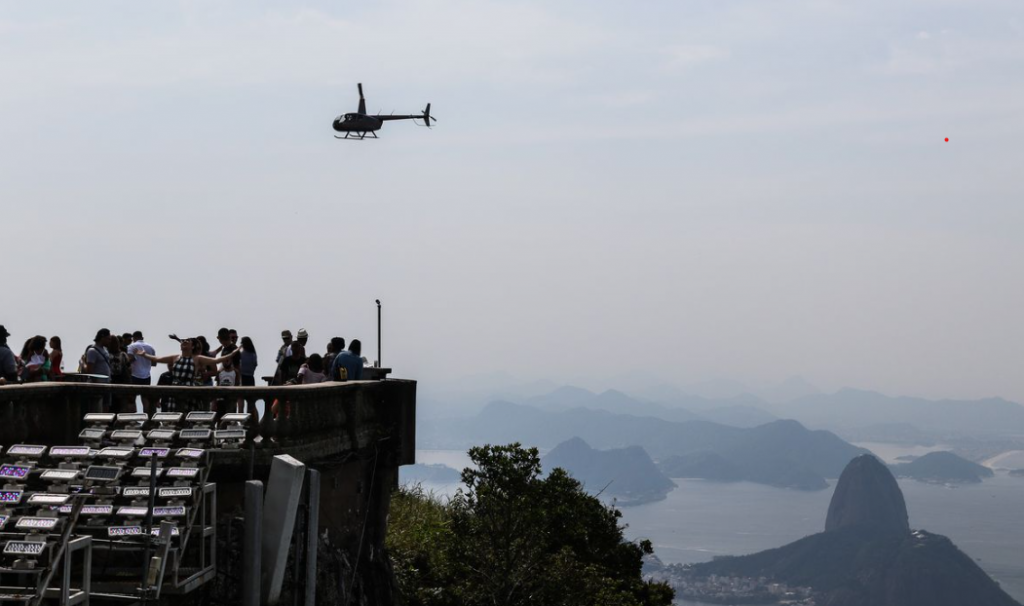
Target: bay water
x: 701, y: 519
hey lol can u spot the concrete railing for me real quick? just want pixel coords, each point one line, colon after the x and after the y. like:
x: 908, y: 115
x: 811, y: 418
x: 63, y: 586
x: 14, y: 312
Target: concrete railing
x: 314, y: 422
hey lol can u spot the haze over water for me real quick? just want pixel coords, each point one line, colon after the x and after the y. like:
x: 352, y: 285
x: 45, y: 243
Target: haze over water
x: 700, y: 519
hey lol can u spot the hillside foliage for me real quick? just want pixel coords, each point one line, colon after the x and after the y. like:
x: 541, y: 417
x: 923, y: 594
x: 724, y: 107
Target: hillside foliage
x: 515, y: 538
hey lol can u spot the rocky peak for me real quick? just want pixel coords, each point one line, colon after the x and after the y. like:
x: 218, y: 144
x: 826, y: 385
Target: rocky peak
x: 868, y: 496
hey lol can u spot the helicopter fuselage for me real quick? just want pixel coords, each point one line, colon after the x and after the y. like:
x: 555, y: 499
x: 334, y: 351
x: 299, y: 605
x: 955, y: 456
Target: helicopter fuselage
x: 359, y: 125
x: 356, y: 123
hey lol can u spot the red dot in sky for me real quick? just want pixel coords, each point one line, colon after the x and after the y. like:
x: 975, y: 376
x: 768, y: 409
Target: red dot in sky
x: 947, y: 139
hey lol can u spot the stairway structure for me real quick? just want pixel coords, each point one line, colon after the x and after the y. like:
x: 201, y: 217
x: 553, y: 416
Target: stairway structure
x: 132, y: 498
x: 129, y: 508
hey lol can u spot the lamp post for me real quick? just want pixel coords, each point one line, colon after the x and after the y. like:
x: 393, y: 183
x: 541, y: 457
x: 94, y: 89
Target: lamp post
x: 379, y: 363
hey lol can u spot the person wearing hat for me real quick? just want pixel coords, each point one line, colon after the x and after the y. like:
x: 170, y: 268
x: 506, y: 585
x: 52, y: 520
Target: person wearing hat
x: 286, y: 336
x: 303, y: 336
x: 8, y: 365
x: 301, y: 340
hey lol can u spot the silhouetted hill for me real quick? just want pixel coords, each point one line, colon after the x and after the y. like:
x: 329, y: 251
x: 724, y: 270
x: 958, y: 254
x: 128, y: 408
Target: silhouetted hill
x: 942, y: 467
x: 781, y: 453
x: 868, y: 497
x: 504, y: 422
x: 821, y: 451
x: 852, y: 568
x: 705, y: 465
x: 628, y: 473
x: 868, y: 556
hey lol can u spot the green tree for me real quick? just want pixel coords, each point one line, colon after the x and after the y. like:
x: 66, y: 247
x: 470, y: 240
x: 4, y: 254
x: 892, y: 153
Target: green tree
x: 514, y: 538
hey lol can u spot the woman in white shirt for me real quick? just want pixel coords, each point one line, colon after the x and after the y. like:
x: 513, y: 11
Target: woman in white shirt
x: 36, y: 360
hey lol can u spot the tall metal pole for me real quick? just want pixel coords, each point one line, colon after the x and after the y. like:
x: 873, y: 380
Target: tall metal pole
x: 380, y: 363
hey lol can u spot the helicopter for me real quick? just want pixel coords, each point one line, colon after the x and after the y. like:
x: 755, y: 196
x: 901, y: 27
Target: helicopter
x: 359, y: 125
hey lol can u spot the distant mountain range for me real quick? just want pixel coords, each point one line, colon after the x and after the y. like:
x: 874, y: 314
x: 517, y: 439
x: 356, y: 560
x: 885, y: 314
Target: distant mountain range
x: 628, y: 474
x: 855, y: 408
x: 854, y: 414
x: 737, y: 412
x: 868, y: 556
x: 780, y: 453
x: 741, y: 437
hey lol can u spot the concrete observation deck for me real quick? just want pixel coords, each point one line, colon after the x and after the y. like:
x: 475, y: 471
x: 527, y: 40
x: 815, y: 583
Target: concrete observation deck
x: 355, y: 434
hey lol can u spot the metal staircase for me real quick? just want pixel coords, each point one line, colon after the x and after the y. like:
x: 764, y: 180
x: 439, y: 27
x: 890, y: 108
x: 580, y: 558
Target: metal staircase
x: 132, y: 501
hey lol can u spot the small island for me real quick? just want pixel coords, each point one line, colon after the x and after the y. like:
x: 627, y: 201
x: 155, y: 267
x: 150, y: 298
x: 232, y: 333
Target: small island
x: 942, y: 468
x: 628, y: 474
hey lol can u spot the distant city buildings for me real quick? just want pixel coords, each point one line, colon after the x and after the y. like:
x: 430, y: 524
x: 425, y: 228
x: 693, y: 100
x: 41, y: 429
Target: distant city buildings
x: 731, y: 589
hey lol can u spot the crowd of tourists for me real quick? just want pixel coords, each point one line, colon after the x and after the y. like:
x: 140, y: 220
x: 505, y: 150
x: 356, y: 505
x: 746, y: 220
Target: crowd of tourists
x: 129, y: 359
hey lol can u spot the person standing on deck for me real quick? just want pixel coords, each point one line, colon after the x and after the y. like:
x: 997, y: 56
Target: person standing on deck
x: 141, y: 367
x: 97, y: 358
x: 8, y: 365
x: 351, y: 361
x: 283, y: 352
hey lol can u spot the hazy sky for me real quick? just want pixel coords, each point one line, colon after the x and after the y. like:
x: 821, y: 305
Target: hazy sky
x: 741, y: 189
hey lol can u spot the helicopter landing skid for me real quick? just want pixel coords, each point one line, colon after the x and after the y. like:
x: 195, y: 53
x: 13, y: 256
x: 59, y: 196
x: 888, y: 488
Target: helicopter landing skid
x: 358, y: 136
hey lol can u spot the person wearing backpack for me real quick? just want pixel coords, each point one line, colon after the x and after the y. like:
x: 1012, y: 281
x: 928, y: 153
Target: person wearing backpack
x: 96, y: 360
x: 120, y: 374
x: 120, y: 362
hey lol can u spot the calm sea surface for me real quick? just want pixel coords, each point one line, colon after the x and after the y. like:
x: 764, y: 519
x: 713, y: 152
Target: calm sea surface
x: 700, y: 519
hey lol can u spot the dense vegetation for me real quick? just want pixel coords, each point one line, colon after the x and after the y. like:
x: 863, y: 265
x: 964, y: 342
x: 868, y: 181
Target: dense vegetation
x: 513, y: 537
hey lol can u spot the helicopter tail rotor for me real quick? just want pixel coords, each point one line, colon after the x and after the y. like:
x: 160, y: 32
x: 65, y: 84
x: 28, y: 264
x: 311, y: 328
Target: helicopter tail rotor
x: 427, y: 117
